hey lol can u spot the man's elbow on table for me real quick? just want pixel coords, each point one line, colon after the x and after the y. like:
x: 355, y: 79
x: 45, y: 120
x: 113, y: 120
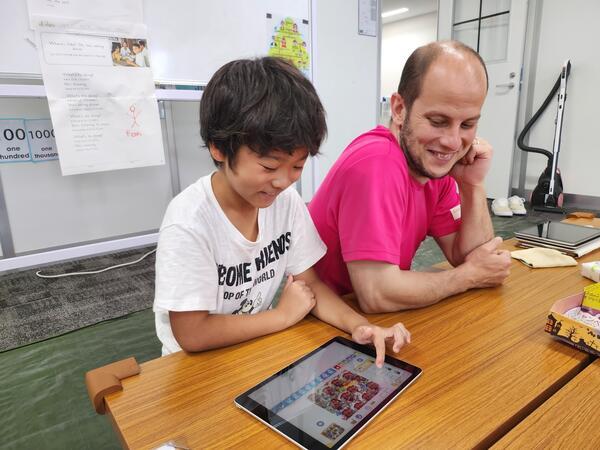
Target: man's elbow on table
x: 375, y: 303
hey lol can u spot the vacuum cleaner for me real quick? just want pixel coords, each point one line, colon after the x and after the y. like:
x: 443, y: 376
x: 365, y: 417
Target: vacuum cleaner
x: 548, y: 193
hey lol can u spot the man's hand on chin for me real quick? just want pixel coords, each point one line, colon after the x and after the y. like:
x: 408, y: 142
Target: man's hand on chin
x: 472, y: 168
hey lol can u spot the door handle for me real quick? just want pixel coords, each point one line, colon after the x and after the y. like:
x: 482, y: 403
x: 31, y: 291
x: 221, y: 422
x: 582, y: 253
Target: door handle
x: 509, y: 85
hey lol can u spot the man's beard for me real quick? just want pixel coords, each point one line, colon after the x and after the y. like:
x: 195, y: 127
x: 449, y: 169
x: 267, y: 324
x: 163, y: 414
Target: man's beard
x: 414, y: 164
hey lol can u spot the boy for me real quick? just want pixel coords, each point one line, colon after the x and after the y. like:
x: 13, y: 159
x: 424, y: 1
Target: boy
x: 227, y: 241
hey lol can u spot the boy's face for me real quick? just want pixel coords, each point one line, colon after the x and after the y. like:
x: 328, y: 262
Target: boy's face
x: 257, y: 180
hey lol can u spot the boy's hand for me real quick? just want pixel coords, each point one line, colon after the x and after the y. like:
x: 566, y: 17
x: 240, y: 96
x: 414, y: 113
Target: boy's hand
x: 372, y: 334
x: 296, y: 301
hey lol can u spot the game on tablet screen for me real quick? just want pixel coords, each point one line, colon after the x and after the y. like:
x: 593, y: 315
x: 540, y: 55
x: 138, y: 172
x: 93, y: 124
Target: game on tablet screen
x: 327, y: 394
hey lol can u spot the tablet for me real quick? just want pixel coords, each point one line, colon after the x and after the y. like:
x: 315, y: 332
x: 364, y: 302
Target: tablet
x: 563, y: 234
x: 325, y: 398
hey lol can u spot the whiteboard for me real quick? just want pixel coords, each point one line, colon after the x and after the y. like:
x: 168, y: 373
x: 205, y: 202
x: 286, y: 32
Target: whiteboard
x: 18, y: 55
x: 188, y: 40
x: 191, y: 39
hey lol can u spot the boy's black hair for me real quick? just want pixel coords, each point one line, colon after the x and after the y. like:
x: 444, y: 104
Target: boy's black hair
x: 266, y: 104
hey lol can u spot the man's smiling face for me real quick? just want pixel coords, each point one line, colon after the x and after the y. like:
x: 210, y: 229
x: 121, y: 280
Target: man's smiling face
x: 441, y: 124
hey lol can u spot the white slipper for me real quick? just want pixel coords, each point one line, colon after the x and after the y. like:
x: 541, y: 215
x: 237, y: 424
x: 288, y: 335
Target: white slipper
x: 500, y: 207
x: 516, y: 205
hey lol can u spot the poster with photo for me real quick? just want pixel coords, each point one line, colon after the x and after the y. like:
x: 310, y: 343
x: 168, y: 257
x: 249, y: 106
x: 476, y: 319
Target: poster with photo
x: 100, y: 89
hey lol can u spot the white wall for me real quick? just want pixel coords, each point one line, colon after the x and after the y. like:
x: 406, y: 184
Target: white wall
x: 193, y: 159
x: 568, y: 32
x: 398, y: 41
x: 346, y: 76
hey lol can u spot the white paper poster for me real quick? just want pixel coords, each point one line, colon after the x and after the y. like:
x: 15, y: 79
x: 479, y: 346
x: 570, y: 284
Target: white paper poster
x: 125, y: 11
x: 368, y: 22
x: 100, y: 88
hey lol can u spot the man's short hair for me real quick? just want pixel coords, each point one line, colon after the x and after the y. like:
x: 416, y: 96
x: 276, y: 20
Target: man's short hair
x: 419, y: 62
x: 266, y: 104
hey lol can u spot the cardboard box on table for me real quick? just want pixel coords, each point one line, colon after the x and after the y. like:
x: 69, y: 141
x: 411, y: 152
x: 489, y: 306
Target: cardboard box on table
x: 572, y: 331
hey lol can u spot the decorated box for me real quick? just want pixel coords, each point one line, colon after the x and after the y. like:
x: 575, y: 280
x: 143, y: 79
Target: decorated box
x: 578, y: 334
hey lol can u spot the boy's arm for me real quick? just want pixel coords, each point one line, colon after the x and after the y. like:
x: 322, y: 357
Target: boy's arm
x: 332, y: 309
x: 198, y: 330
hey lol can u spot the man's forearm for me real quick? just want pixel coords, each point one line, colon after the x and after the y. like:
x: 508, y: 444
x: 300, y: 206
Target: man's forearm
x: 394, y: 289
x: 476, y: 228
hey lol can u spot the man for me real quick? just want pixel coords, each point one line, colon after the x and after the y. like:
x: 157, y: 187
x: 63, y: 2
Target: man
x: 392, y: 187
x: 144, y: 52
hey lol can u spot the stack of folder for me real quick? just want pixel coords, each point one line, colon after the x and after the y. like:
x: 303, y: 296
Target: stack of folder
x: 573, y: 240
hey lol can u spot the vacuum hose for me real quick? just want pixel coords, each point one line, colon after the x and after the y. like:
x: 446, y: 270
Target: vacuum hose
x: 535, y: 117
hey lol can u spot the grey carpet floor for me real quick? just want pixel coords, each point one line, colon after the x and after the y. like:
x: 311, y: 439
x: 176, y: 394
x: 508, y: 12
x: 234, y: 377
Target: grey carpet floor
x: 33, y: 309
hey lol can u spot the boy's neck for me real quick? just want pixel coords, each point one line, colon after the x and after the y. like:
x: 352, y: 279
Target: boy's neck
x: 240, y: 213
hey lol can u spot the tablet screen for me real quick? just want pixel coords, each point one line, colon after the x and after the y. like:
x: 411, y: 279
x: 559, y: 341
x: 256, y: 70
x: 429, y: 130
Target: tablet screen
x: 323, y: 399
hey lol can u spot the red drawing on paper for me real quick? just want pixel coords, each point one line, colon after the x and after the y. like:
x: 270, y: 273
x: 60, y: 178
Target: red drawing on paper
x: 134, y: 115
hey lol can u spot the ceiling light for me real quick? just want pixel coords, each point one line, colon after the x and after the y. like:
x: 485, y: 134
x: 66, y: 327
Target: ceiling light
x: 394, y: 12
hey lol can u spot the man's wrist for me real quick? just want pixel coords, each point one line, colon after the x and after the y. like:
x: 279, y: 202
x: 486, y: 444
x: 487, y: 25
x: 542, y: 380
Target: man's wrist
x: 469, y: 188
x: 463, y: 275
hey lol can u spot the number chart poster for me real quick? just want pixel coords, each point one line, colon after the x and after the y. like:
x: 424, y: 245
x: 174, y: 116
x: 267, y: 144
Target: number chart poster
x: 27, y: 140
x: 289, y: 38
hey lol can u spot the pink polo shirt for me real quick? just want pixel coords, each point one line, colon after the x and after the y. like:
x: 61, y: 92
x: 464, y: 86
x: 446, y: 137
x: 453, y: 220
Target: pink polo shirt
x: 370, y: 208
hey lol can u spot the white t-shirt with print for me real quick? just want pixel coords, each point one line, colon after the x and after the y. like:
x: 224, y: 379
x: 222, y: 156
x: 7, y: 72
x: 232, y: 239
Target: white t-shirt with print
x: 203, y: 263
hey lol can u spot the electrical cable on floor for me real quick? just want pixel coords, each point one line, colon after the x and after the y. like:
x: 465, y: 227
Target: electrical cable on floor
x: 91, y: 272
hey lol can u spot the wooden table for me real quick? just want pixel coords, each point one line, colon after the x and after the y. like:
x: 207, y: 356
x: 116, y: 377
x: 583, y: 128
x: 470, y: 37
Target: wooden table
x: 568, y: 420
x: 487, y: 364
